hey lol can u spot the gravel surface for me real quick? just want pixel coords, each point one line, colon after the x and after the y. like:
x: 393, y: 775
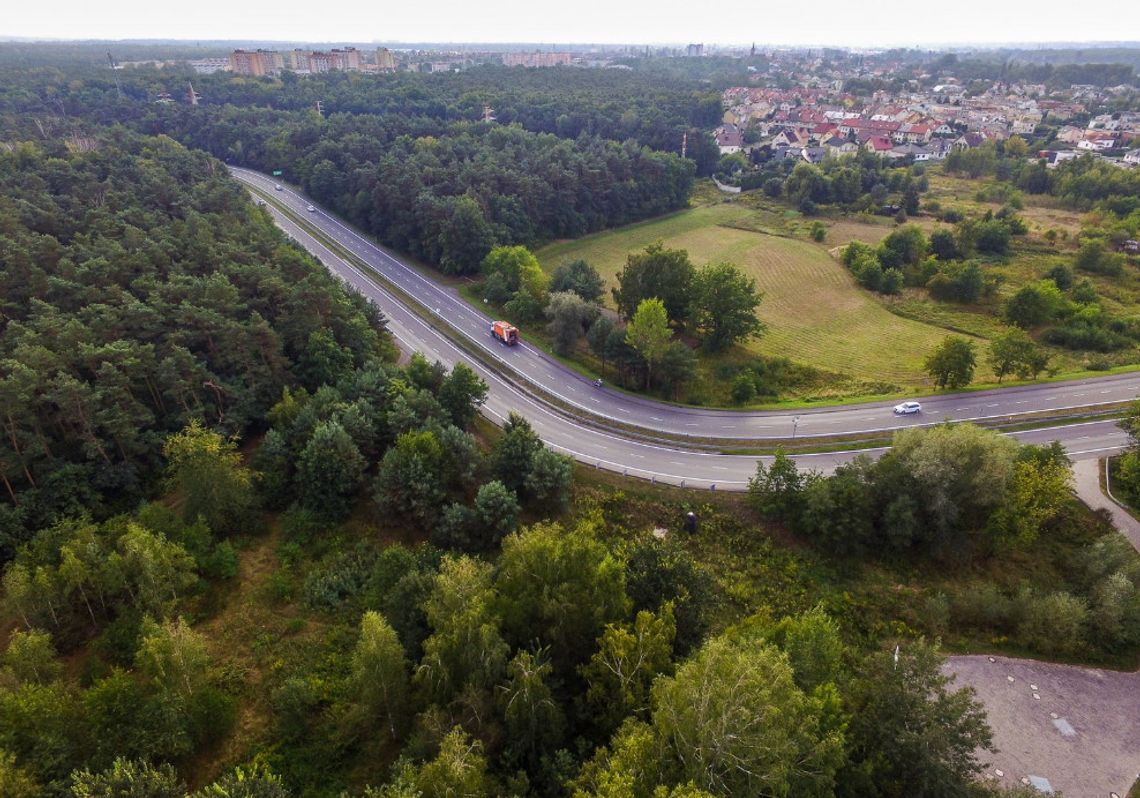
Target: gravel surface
x: 1079, y: 728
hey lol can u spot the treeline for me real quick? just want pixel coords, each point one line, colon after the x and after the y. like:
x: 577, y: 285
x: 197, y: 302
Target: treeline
x: 658, y: 290
x: 433, y: 182
x: 448, y: 192
x: 962, y: 495
x: 566, y: 665
x: 944, y: 263
x: 1064, y: 308
x: 1083, y: 183
x: 141, y: 289
x: 861, y: 183
x: 572, y: 660
x: 654, y: 110
x: 1025, y: 66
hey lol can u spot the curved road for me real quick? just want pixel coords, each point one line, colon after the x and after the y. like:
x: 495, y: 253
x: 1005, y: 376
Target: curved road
x: 662, y: 463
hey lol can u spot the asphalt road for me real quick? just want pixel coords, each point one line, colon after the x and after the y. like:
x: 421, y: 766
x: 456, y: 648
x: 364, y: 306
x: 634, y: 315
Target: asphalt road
x: 663, y: 463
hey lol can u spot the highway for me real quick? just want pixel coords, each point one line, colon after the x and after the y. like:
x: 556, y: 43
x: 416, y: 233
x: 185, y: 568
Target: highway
x: 675, y: 464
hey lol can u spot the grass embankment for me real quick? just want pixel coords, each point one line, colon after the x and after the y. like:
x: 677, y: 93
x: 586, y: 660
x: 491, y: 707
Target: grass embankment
x: 815, y: 312
x: 855, y: 343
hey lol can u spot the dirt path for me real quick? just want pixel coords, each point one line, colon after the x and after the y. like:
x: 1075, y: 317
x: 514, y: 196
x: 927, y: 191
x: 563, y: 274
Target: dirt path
x: 1079, y: 728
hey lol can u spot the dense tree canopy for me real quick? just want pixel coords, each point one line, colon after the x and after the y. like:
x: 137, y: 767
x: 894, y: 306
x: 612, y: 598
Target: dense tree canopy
x: 142, y: 290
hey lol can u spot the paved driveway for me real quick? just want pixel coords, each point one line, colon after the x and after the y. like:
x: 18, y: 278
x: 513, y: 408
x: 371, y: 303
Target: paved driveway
x: 1079, y: 728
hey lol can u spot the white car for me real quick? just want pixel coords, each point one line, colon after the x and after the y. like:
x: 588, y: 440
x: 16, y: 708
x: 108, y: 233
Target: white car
x: 908, y: 408
x: 277, y: 187
x: 311, y: 209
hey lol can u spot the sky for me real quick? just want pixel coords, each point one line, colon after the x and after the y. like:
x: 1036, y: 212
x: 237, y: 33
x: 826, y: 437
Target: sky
x: 550, y: 22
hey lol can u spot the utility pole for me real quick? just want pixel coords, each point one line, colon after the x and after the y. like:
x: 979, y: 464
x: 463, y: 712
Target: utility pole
x: 115, y: 74
x: 684, y: 143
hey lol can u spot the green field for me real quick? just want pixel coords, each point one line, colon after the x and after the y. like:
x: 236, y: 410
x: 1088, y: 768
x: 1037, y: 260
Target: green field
x: 815, y: 312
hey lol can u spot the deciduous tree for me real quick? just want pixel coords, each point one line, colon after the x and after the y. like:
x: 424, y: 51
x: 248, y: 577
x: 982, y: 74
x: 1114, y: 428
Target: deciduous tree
x: 206, y: 469
x: 649, y: 334
x: 723, y: 307
x: 380, y: 673
x: 656, y: 272
x: 951, y: 364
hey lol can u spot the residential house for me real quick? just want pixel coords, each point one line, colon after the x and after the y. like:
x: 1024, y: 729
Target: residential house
x: 1132, y: 157
x: 813, y: 154
x: 1056, y: 157
x: 939, y: 148
x: 912, y: 134
x: 915, y: 151
x: 968, y: 141
x: 787, y: 138
x: 879, y: 145
x: 782, y: 152
x: 729, y: 139
x: 841, y: 146
x: 1097, y: 143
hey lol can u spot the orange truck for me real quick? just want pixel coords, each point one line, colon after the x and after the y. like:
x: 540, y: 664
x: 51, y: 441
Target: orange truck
x: 505, y: 333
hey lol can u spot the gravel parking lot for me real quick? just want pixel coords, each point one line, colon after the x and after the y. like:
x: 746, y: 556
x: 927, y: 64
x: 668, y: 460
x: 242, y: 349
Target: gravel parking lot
x: 1076, y: 728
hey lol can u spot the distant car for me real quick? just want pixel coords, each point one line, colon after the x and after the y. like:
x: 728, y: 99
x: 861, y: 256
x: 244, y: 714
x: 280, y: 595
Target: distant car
x: 311, y: 209
x: 277, y: 187
x: 908, y: 408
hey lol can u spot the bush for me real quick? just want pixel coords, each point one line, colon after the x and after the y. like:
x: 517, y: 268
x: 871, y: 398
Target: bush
x: 1052, y: 623
x: 1061, y: 275
x: 991, y: 237
x: 1092, y: 257
x: 1086, y: 335
x: 341, y: 576
x: 892, y: 282
x: 936, y: 613
x: 984, y: 607
x: 743, y: 387
x: 818, y: 231
x: 958, y: 282
x: 212, y: 715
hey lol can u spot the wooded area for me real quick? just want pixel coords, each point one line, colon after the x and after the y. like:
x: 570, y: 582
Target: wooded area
x: 140, y: 289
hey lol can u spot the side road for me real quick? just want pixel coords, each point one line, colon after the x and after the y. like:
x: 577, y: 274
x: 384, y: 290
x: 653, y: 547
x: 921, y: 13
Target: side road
x: 1086, y: 482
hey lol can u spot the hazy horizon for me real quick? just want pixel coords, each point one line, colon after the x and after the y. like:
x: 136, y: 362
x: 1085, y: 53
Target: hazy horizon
x: 971, y: 23
x: 554, y: 45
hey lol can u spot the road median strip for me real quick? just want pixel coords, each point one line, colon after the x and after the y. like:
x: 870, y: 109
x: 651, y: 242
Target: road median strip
x: 807, y: 443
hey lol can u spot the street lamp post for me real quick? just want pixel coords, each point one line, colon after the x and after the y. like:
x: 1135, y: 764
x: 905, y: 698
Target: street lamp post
x: 795, y: 426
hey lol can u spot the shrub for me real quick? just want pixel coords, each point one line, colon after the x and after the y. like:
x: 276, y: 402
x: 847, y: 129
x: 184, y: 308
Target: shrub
x: 936, y: 613
x: 1052, y: 623
x: 341, y: 576
x: 743, y: 387
x: 1086, y: 335
x: 1062, y: 275
x: 984, y: 607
